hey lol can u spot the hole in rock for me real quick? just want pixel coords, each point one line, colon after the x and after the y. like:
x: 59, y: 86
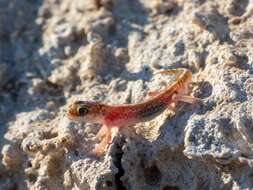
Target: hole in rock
x: 49, y: 135
x: 152, y: 175
x: 118, y: 163
x: 108, y: 183
x: 204, y: 90
x: 168, y: 187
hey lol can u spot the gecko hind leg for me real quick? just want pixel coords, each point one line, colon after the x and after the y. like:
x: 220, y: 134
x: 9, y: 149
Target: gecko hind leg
x: 187, y: 99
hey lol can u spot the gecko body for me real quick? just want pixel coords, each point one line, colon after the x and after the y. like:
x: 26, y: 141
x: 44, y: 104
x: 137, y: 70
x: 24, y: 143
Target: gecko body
x: 128, y: 114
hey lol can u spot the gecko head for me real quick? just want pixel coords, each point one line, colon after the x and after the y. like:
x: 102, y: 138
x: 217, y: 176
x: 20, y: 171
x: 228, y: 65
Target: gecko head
x: 87, y: 111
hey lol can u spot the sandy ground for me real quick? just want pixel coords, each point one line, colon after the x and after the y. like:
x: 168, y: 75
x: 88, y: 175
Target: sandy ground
x: 53, y: 52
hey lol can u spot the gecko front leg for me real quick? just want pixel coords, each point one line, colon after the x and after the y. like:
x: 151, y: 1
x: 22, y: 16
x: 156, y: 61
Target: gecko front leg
x: 106, y: 140
x: 107, y: 134
x: 101, y: 133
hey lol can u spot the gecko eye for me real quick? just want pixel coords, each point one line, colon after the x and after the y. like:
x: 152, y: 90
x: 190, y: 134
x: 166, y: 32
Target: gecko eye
x: 82, y: 111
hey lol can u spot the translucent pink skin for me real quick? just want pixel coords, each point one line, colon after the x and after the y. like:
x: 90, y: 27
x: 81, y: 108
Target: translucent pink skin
x: 128, y: 114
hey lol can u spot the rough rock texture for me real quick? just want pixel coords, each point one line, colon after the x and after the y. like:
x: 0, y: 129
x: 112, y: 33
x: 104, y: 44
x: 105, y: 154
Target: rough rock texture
x: 53, y: 52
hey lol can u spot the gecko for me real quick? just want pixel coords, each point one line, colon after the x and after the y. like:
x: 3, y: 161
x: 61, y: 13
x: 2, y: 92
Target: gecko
x: 124, y: 115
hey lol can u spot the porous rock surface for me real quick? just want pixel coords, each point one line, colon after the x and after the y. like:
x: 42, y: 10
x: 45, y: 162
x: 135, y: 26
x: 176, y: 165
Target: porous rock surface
x: 53, y: 52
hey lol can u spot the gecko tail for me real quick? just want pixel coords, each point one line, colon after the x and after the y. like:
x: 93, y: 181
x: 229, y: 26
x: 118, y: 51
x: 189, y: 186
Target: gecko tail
x: 179, y: 72
x: 172, y: 71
